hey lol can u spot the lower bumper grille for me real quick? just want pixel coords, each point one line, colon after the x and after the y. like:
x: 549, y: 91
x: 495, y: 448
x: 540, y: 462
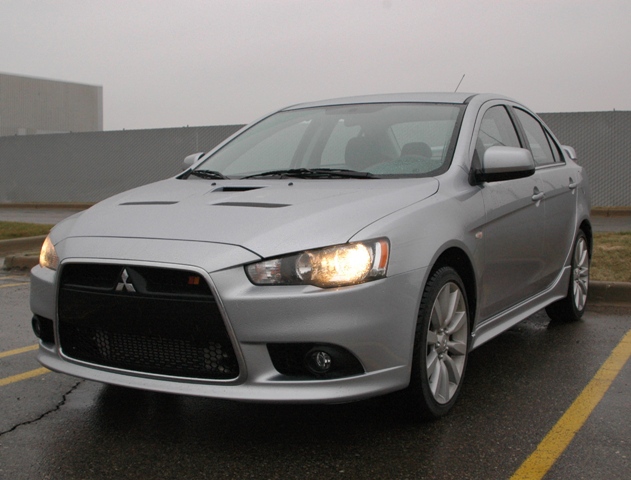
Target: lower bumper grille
x: 160, y: 326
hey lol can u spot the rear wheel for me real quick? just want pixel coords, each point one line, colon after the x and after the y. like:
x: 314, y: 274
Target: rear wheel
x: 441, y: 345
x: 572, y: 307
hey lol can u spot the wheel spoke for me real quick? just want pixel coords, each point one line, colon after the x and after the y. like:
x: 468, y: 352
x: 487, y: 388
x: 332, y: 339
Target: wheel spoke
x: 433, y: 376
x: 580, y: 293
x: 457, y: 321
x: 457, y: 347
x: 442, y: 384
x: 582, y: 257
x: 432, y: 362
x: 453, y: 371
x: 437, y: 316
x: 452, y: 298
x: 581, y: 274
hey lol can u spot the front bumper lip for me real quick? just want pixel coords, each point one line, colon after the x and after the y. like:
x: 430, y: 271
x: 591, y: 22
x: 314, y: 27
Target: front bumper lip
x: 273, y: 391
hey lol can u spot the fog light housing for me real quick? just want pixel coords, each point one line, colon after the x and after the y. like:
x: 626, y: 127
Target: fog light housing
x: 43, y: 329
x: 37, y: 326
x: 318, y: 361
x: 313, y: 361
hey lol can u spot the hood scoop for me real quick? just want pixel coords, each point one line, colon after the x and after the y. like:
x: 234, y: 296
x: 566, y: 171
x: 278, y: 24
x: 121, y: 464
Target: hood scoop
x: 157, y: 202
x: 235, y: 188
x: 251, y: 204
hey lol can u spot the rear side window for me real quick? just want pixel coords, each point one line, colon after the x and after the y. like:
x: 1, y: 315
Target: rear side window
x: 542, y: 147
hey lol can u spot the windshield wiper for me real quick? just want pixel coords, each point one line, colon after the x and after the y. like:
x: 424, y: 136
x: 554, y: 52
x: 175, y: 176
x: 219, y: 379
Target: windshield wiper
x: 313, y: 173
x: 208, y: 174
x: 345, y: 173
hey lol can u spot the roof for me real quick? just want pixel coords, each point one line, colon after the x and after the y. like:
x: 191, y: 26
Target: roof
x: 430, y: 97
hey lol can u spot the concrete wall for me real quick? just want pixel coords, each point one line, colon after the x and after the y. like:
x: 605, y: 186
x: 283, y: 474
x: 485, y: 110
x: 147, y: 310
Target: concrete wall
x: 88, y: 167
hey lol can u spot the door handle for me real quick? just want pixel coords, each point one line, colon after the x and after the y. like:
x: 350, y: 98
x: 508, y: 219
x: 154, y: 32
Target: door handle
x: 537, y: 196
x: 573, y: 184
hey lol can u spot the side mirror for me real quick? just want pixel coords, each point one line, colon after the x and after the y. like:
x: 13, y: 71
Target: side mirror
x: 190, y: 160
x: 505, y: 163
x: 570, y: 152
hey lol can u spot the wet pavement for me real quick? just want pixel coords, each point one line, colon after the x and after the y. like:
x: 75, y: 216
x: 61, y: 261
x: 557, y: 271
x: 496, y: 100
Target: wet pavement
x: 517, y: 387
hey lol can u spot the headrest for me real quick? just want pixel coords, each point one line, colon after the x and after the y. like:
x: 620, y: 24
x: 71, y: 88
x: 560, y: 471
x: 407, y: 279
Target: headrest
x: 417, y: 148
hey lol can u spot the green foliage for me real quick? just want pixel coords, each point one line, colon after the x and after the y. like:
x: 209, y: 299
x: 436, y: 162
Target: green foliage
x: 10, y: 230
x: 611, y: 260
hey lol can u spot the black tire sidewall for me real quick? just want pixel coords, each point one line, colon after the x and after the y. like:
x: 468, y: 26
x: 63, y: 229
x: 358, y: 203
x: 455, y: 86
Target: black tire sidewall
x: 419, y: 382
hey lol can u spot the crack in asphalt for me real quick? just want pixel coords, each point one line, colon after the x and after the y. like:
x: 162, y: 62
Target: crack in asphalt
x: 54, y: 409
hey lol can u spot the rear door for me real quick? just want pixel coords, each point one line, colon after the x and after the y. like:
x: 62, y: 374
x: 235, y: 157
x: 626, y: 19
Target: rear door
x: 558, y: 181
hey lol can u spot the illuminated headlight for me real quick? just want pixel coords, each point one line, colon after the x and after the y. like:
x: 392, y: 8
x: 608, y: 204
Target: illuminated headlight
x: 336, y: 266
x: 48, y: 256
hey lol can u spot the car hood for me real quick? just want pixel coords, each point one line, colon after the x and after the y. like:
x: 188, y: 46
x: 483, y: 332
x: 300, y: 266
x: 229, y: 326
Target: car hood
x: 268, y: 218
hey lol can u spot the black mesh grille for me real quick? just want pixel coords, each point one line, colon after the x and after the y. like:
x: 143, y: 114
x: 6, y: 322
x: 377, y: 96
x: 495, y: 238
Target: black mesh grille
x: 144, y: 319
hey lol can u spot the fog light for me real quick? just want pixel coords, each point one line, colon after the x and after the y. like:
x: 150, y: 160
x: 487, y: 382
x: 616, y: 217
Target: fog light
x: 318, y: 361
x: 37, y: 327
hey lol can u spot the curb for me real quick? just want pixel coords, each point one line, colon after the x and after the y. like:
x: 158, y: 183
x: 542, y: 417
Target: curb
x: 614, y: 294
x: 19, y: 245
x: 611, y: 211
x: 23, y: 261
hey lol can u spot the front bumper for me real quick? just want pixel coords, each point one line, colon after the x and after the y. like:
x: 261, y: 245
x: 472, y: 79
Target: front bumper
x: 364, y: 320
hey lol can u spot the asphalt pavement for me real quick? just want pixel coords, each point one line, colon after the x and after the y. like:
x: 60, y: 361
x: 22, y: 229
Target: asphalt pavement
x: 522, y: 400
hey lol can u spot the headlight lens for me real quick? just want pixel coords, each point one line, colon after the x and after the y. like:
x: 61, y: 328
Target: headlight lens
x: 336, y: 266
x: 48, y: 256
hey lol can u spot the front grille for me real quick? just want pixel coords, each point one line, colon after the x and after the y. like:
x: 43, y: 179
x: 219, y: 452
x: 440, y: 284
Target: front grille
x: 144, y: 319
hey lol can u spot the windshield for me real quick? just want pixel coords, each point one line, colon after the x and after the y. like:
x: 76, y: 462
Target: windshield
x: 404, y: 139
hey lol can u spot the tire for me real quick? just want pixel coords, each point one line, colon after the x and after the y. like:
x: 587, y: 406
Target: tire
x: 572, y: 307
x: 441, y: 345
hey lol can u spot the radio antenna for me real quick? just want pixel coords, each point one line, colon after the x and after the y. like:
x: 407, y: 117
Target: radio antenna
x: 459, y: 83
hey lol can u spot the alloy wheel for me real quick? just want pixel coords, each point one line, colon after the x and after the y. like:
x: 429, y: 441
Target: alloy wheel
x: 447, y: 343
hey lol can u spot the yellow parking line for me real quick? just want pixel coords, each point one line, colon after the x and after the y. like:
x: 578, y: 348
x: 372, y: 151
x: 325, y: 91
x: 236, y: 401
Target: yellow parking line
x: 6, y: 285
x: 557, y: 439
x: 23, y: 376
x: 18, y: 350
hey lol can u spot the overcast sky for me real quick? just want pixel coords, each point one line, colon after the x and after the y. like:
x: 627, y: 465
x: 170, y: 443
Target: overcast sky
x: 210, y: 62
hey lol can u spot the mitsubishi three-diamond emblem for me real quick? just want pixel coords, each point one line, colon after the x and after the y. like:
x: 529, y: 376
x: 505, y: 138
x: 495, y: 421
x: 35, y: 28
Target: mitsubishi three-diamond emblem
x: 125, y: 284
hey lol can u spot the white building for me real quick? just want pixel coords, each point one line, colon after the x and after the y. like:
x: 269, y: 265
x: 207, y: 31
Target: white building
x: 35, y: 105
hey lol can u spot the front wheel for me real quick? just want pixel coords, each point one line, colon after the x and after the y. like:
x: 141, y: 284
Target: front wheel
x: 441, y: 345
x: 572, y: 307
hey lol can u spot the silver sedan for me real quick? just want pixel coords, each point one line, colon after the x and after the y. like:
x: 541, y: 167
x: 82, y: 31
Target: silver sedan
x: 329, y: 252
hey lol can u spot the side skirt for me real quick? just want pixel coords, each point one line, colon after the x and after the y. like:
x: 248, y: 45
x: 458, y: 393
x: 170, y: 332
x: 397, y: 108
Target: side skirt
x: 491, y: 327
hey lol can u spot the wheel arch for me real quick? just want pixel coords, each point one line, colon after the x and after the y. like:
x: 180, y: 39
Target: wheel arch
x: 586, y: 227
x: 457, y: 259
